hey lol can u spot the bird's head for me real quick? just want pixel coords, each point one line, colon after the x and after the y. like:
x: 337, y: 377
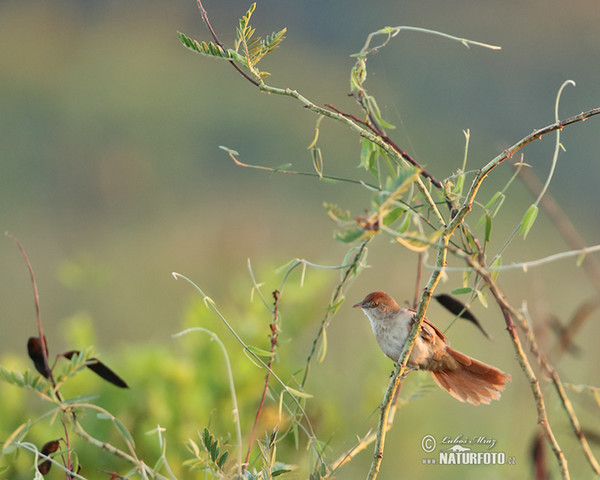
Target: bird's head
x: 378, y: 300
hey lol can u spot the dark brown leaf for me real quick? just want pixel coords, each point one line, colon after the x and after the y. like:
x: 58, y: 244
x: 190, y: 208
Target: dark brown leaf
x: 99, y: 369
x: 44, y: 467
x: 538, y: 457
x: 47, y: 449
x: 458, y: 308
x: 35, y: 348
x: 50, y: 447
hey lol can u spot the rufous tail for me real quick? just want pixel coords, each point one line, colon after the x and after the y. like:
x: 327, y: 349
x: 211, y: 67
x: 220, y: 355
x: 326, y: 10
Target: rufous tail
x: 471, y: 380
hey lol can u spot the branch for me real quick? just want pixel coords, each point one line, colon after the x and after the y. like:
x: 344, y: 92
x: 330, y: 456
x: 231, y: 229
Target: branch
x: 551, y: 372
x: 218, y: 42
x: 398, y: 374
x: 274, y: 332
x: 336, y: 298
x: 496, y: 161
x: 371, y: 125
x: 562, y: 223
x: 508, y: 311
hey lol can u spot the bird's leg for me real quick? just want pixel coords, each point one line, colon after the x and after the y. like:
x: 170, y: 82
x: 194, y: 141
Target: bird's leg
x: 407, y: 370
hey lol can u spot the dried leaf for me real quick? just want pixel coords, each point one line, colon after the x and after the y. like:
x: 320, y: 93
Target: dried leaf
x: 456, y: 307
x: 99, y: 369
x: 35, y: 348
x: 47, y: 449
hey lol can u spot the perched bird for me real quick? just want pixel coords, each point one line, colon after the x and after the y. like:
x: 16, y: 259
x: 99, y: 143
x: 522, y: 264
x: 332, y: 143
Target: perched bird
x: 463, y: 377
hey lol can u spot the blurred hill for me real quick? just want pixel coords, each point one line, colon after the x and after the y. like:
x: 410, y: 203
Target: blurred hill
x: 109, y: 133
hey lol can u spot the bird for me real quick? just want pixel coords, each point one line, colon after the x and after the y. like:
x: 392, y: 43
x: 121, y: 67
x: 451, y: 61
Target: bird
x: 463, y: 377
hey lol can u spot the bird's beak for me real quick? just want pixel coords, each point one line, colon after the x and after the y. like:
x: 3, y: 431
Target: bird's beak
x: 358, y: 305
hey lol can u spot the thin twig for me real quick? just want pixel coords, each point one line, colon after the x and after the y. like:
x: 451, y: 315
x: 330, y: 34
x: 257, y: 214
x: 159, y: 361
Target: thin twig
x: 552, y: 373
x: 418, y: 279
x: 335, y: 299
x: 508, y: 153
x: 398, y: 374
x: 248, y: 350
x: 374, y: 127
x: 508, y: 312
x: 218, y: 42
x: 274, y: 333
x: 433, y: 280
x: 562, y: 223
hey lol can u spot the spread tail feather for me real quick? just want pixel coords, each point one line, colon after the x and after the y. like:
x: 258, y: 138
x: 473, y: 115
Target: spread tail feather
x: 471, y: 380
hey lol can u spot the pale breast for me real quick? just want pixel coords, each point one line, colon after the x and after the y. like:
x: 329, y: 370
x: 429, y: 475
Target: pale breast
x: 391, y: 332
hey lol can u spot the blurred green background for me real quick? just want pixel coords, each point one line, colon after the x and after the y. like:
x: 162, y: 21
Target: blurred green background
x: 111, y: 177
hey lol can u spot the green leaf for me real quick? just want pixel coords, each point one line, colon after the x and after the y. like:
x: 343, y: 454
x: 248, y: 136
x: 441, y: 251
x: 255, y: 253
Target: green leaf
x: 15, y: 436
x: 298, y: 393
x: 405, y: 223
x: 368, y: 153
x: 317, y: 158
x: 80, y: 399
x: 481, y: 298
x: 222, y: 459
x: 397, y: 186
x: 206, y: 438
x: 323, y: 347
x: 488, y: 228
x: 259, y: 351
x: 209, y: 49
x: 281, y: 471
x: 528, y: 220
x: 492, y: 200
x: 460, y: 182
x: 214, y: 451
x: 229, y: 150
x: 335, y: 307
x: 498, y: 205
x: 349, y: 235
x: 392, y: 216
x: 123, y: 431
x: 461, y: 291
x: 283, y: 166
x: 336, y: 213
x: 496, y: 263
x: 193, y: 447
x: 377, y: 113
x: 285, y: 267
x: 159, y: 463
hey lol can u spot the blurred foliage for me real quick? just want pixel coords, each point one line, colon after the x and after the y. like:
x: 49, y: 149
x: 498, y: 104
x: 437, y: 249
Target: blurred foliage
x: 180, y: 386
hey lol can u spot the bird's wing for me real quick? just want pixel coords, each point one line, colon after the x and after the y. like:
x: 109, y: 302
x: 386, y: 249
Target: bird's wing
x: 429, y: 332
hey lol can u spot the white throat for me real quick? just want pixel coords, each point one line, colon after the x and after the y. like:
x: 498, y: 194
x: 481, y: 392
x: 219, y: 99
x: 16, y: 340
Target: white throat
x: 391, y: 329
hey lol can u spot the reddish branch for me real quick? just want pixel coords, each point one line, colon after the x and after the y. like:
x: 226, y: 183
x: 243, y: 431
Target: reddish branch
x: 372, y: 125
x: 218, y: 42
x: 273, y: 327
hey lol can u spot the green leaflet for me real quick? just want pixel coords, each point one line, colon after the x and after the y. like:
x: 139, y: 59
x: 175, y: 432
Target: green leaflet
x: 528, y: 220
